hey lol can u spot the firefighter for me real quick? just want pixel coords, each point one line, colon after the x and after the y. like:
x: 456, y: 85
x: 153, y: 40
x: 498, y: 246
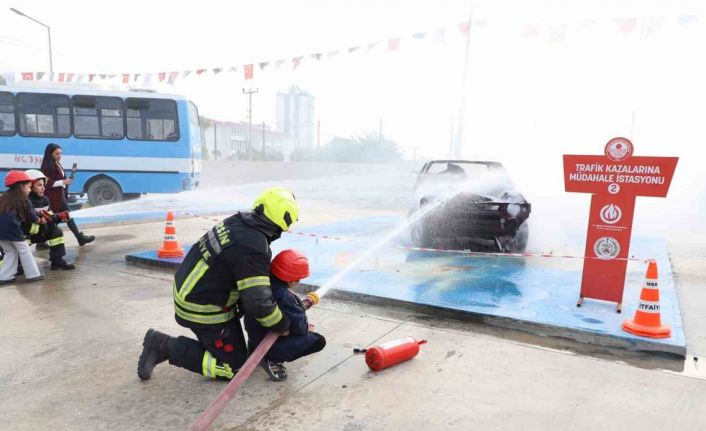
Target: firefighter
x: 224, y: 275
x: 49, y: 232
x: 287, y: 269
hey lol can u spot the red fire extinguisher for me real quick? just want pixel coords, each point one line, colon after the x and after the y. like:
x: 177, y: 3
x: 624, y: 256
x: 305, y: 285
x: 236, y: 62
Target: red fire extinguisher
x: 391, y: 353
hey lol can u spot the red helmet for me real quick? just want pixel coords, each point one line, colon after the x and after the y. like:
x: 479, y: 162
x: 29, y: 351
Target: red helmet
x: 290, y: 265
x: 14, y: 177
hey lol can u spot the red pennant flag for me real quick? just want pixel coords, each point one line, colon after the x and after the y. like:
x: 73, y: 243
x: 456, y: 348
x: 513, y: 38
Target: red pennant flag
x: 464, y: 27
x: 531, y: 29
x: 296, y: 61
x: 61, y: 77
x: 162, y: 75
x: 126, y: 78
x: 200, y: 71
x: 91, y: 76
x: 393, y: 44
x: 248, y: 71
x: 27, y: 76
x: 626, y: 25
x: 172, y: 77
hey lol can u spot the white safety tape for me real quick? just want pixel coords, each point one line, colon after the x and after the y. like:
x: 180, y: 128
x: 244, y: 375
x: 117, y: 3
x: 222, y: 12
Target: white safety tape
x: 439, y: 250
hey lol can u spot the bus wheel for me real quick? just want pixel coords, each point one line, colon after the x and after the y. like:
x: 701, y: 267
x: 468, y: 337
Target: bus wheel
x: 104, y: 191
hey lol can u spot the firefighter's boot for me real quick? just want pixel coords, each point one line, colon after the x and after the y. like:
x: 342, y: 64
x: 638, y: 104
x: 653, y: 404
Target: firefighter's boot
x: 155, y: 349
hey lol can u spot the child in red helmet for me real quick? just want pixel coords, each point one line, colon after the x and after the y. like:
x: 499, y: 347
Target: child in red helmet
x: 286, y: 271
x: 15, y: 209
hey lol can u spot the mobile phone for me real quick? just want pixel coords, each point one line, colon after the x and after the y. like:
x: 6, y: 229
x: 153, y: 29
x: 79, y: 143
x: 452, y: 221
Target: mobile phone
x: 74, y: 168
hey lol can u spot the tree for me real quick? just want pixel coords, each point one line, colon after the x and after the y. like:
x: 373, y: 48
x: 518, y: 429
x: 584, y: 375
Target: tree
x: 361, y: 149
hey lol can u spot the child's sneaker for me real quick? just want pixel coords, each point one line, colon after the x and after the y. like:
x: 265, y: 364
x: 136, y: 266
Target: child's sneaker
x: 275, y: 370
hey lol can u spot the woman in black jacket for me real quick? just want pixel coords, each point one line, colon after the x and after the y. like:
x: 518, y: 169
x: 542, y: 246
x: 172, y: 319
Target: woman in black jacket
x: 56, y: 189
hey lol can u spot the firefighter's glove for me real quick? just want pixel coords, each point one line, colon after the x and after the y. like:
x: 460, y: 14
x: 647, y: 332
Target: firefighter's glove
x: 63, y: 216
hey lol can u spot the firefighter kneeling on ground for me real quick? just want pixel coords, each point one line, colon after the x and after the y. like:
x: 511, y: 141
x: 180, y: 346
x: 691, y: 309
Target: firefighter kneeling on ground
x: 48, y: 231
x: 224, y: 275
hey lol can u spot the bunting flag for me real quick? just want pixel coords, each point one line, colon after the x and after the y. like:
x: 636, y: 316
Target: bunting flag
x: 464, y: 27
x: 9, y: 77
x: 650, y: 26
x: 531, y: 29
x: 687, y: 19
x: 626, y: 25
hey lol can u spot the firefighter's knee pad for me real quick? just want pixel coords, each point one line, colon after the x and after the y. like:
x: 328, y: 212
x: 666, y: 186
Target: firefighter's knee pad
x: 215, y: 369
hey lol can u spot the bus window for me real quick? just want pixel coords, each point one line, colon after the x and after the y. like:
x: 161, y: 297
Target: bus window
x: 7, y: 114
x: 44, y: 115
x: 193, y: 114
x: 152, y: 119
x: 98, y: 117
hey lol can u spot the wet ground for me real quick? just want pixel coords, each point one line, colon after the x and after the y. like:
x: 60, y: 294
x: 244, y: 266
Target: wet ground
x: 69, y: 346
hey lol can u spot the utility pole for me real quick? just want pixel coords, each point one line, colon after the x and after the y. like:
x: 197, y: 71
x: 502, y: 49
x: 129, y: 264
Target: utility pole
x: 414, y: 153
x: 380, y: 136
x: 263, y: 141
x: 318, y: 138
x: 250, y: 92
x: 215, y: 140
x: 456, y: 146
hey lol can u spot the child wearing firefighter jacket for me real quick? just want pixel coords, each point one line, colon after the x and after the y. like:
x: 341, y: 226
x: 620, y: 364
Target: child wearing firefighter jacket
x: 286, y: 271
x: 49, y: 232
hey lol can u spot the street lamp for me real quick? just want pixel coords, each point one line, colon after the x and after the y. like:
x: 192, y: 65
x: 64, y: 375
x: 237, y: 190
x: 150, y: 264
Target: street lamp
x: 51, y: 63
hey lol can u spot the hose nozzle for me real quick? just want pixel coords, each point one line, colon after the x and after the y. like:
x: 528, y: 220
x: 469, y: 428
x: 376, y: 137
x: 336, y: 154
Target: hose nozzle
x: 310, y: 300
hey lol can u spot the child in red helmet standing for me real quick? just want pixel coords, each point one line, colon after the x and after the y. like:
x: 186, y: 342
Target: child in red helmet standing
x: 286, y: 271
x: 15, y: 209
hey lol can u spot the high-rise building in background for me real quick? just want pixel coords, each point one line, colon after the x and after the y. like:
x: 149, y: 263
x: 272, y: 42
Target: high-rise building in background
x: 295, y: 117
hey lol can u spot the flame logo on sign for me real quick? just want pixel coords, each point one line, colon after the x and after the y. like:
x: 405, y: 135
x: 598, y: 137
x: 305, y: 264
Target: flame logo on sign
x: 611, y: 214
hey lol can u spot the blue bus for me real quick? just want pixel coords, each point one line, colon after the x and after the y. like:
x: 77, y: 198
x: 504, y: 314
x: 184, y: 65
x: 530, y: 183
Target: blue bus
x: 124, y: 143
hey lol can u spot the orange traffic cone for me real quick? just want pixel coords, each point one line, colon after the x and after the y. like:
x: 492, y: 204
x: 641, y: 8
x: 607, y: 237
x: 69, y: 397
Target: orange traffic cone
x: 647, y: 322
x: 170, y: 247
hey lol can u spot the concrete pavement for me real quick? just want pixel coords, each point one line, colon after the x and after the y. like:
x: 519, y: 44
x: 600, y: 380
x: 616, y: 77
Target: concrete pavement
x: 69, y: 346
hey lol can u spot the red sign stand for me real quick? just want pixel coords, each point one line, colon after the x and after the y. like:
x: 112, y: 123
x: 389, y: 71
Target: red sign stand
x: 615, y: 180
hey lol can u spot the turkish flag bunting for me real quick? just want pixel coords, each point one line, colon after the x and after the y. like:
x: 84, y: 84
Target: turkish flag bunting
x: 27, y: 76
x: 393, y: 44
x: 248, y: 71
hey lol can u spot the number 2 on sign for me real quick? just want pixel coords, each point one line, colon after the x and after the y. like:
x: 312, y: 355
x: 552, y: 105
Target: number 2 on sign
x: 613, y: 189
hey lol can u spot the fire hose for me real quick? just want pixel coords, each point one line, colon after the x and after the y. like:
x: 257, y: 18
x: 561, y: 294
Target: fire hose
x: 217, y: 405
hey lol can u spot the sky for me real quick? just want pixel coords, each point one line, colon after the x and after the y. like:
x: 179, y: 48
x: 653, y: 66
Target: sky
x: 543, y: 77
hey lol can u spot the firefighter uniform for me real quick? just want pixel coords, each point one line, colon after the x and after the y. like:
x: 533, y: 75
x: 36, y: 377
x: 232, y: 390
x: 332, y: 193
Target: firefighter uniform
x: 224, y: 275
x: 48, y: 232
